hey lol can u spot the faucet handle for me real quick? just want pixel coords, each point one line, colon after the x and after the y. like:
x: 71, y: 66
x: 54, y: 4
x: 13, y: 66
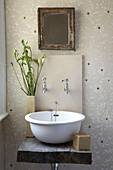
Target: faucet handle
x: 44, y: 85
x: 65, y: 80
x: 44, y: 79
x: 66, y: 88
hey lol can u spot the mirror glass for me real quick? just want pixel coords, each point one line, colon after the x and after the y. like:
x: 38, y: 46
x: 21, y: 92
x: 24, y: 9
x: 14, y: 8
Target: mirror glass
x: 55, y: 29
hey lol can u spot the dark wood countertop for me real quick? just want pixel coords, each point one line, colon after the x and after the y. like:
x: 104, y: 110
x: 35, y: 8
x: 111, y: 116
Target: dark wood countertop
x: 34, y: 151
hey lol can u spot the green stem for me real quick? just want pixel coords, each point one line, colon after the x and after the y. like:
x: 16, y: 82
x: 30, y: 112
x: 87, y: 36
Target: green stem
x: 38, y: 74
x: 26, y: 79
x: 18, y: 80
x: 24, y: 91
x: 30, y: 77
x: 33, y: 78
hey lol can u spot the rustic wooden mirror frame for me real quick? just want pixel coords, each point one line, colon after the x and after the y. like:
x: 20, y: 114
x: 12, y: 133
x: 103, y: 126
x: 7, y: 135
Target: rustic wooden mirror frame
x: 70, y: 12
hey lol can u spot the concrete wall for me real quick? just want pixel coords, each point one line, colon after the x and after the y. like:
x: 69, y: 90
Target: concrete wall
x: 2, y: 79
x: 1, y: 148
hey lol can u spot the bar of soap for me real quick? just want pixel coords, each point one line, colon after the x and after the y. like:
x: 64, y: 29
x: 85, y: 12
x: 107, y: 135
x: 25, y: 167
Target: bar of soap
x: 81, y: 142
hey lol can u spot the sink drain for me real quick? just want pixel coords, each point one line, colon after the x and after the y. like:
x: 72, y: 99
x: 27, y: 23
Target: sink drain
x: 56, y: 115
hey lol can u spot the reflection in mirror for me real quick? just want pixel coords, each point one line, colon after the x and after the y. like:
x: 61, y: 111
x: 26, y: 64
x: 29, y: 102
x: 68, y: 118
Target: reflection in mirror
x: 56, y: 28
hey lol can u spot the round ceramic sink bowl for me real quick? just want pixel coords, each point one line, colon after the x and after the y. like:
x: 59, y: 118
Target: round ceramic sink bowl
x: 54, y: 127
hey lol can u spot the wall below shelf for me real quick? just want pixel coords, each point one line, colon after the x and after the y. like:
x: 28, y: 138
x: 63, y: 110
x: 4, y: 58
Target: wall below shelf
x: 34, y: 151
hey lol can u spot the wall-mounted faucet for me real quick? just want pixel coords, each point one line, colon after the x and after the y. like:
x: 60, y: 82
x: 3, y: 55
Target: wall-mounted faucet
x: 66, y: 88
x: 44, y: 85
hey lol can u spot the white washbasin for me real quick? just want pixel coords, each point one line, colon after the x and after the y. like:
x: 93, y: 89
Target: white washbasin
x: 49, y: 128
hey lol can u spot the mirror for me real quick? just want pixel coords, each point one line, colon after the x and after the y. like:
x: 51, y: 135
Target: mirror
x: 56, y: 28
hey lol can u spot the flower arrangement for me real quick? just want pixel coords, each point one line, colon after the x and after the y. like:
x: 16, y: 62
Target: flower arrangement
x: 30, y: 80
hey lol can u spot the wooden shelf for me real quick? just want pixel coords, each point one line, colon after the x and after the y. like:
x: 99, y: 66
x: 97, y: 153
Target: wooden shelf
x: 34, y: 151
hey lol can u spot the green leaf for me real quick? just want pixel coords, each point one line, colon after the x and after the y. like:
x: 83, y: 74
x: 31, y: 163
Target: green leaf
x: 26, y: 42
x: 44, y: 56
x: 23, y: 57
x: 11, y: 64
x: 22, y: 42
x: 29, y: 73
x: 23, y: 63
x: 28, y: 47
x: 19, y: 59
x: 36, y: 61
